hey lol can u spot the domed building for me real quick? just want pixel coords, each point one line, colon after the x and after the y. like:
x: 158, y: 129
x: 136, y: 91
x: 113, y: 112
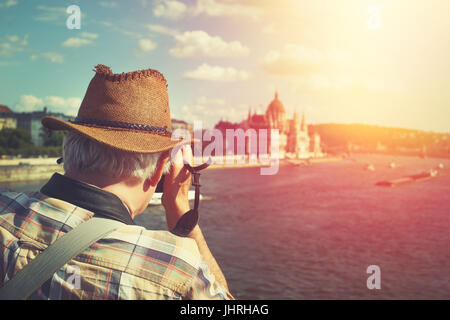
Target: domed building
x: 294, y: 140
x: 276, y: 114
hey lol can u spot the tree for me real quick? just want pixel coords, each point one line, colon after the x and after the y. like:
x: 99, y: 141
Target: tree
x: 15, y: 138
x: 18, y: 142
x: 52, y: 138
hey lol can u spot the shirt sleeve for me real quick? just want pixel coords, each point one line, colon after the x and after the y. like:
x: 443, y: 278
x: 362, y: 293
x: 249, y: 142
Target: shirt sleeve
x: 205, y: 287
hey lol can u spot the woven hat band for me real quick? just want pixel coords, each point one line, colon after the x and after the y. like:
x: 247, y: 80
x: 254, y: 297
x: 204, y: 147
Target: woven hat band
x: 123, y: 125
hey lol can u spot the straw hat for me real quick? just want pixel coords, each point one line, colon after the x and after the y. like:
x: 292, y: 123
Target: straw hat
x: 128, y: 111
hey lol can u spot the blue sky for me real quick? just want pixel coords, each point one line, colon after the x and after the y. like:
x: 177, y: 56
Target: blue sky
x: 367, y: 61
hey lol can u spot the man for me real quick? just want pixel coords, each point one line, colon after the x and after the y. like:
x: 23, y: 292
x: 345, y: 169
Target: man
x: 114, y: 154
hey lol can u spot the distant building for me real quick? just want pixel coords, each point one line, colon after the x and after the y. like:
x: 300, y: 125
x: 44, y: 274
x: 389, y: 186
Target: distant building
x: 7, y: 119
x: 29, y: 121
x: 180, y: 124
x: 294, y: 138
x: 5, y: 109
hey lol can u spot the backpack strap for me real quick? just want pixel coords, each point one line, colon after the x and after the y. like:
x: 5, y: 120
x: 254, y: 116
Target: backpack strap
x: 64, y: 249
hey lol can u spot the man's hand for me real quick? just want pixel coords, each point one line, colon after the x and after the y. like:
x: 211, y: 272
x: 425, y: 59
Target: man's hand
x: 176, y: 187
x: 175, y: 201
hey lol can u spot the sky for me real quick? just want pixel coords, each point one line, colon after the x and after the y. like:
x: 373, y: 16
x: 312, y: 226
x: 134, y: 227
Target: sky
x: 382, y: 62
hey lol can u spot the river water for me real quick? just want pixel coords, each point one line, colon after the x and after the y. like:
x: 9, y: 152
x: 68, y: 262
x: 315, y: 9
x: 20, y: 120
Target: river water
x: 310, y: 232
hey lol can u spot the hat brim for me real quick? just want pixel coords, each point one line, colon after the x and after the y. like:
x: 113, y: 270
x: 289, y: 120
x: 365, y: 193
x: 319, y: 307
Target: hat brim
x: 136, y: 141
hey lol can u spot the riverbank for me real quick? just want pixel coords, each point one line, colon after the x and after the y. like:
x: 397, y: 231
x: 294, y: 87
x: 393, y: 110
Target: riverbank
x: 246, y: 164
x: 27, y: 161
x: 42, y: 168
x: 28, y: 172
x: 29, y: 169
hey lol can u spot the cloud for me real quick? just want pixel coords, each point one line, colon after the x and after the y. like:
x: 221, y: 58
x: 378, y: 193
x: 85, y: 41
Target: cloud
x: 13, y: 38
x: 106, y: 24
x: 6, y: 49
x: 28, y: 103
x: 108, y: 4
x: 127, y: 33
x: 8, y: 3
x: 269, y: 29
x: 12, y: 44
x: 9, y: 63
x: 322, y: 82
x: 199, y: 43
x: 89, y: 35
x: 174, y: 10
x: 292, y: 59
x: 51, y: 14
x: 75, y: 42
x: 157, y: 28
x: 216, y: 8
x: 216, y: 74
x: 52, y: 57
x: 146, y: 45
x: 210, y: 111
x: 113, y: 27
x: 210, y: 101
x: 143, y: 3
x: 169, y: 9
x: 298, y: 59
x: 310, y: 69
x: 67, y: 106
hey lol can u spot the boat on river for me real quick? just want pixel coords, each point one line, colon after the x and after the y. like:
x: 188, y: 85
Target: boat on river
x: 156, y: 199
x: 408, y: 179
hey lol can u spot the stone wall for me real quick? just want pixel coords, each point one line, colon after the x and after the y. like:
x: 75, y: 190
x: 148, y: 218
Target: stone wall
x: 26, y: 170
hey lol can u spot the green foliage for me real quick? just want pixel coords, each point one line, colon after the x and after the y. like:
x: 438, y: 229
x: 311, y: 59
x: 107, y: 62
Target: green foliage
x: 52, y: 138
x: 367, y: 138
x: 17, y: 142
x: 14, y: 138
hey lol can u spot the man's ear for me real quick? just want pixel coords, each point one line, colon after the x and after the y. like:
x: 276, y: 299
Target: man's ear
x: 154, y: 179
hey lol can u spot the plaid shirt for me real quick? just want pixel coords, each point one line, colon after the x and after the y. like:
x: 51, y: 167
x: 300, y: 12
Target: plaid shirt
x: 129, y: 263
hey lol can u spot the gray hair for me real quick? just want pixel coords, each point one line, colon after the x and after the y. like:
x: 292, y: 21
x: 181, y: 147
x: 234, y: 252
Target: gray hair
x: 85, y: 155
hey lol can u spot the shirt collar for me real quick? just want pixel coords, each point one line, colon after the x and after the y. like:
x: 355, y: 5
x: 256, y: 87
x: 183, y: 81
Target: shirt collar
x: 80, y: 194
